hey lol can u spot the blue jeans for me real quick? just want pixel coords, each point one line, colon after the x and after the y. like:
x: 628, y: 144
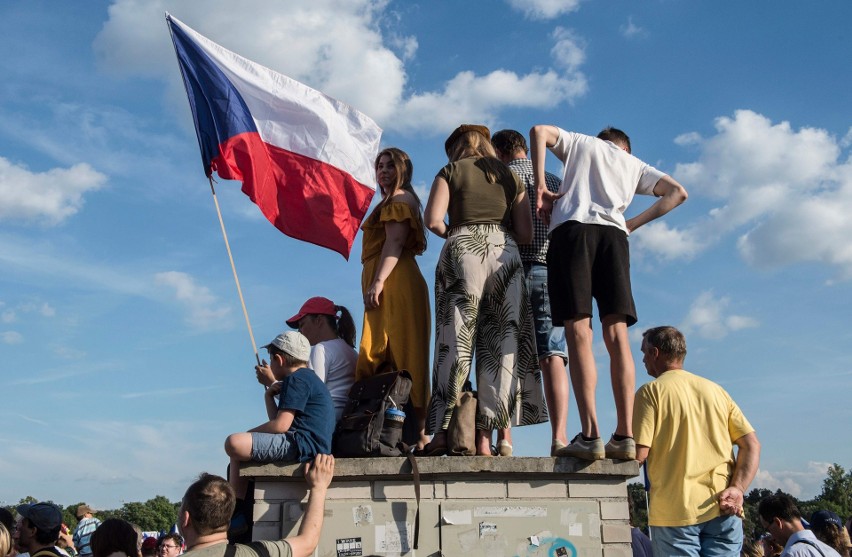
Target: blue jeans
x: 549, y: 340
x: 720, y: 537
x: 273, y: 447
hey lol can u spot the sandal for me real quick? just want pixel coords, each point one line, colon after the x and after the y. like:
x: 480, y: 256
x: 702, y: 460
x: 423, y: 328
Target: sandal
x: 504, y: 448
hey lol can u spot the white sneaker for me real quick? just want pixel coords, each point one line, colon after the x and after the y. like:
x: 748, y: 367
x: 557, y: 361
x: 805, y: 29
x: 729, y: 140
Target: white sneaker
x: 586, y: 450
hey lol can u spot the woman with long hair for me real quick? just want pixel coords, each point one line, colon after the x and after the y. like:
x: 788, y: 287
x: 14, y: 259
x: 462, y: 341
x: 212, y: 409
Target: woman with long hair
x: 396, y: 298
x: 481, y: 303
x: 330, y: 330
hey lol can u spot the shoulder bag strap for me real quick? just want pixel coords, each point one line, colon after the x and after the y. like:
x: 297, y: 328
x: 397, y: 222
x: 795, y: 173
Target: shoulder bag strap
x: 415, y: 472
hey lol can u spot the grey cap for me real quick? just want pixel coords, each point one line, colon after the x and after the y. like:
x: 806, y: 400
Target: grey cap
x: 293, y: 343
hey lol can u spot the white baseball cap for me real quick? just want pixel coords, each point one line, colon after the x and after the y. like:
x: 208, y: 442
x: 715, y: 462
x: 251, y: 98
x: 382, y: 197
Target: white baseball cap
x: 293, y: 343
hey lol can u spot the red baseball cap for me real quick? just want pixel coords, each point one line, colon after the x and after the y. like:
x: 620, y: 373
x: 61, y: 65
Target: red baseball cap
x: 314, y: 306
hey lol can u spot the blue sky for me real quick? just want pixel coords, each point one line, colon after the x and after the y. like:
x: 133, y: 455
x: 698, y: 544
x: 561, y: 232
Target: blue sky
x: 123, y: 352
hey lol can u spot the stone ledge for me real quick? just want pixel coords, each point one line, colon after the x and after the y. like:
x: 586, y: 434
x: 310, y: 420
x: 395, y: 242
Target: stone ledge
x: 431, y: 468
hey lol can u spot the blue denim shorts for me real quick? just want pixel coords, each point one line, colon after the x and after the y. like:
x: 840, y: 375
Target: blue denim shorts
x: 720, y: 537
x: 549, y: 340
x: 274, y: 447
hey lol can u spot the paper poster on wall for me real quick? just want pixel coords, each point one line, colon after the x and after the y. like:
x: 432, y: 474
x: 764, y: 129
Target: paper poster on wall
x: 349, y: 547
x: 393, y: 537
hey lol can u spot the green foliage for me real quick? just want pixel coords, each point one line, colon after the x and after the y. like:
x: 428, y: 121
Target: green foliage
x: 837, y: 491
x: 637, y: 499
x: 154, y: 514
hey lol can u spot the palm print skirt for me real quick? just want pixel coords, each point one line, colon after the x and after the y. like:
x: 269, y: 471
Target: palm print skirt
x: 482, y: 310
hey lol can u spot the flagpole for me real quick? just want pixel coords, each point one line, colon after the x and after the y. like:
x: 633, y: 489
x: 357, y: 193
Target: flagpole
x: 234, y: 269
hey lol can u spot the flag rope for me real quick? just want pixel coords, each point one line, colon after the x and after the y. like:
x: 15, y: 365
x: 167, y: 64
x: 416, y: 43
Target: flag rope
x: 234, y: 269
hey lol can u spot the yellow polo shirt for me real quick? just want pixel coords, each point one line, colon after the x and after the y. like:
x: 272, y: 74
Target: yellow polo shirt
x: 690, y: 424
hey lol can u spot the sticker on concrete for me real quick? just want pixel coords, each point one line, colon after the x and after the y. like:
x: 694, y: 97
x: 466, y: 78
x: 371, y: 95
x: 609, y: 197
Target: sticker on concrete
x: 487, y: 529
x: 349, y: 547
x: 456, y: 517
x: 362, y: 514
x: 393, y: 538
x: 561, y: 552
x: 510, y: 512
x: 575, y: 530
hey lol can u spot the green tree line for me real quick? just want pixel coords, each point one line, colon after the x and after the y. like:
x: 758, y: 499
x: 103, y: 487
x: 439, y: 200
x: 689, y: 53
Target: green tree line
x: 836, y: 496
x: 154, y: 514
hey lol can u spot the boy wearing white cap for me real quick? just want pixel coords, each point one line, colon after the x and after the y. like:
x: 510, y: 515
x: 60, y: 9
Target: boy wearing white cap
x: 300, y: 423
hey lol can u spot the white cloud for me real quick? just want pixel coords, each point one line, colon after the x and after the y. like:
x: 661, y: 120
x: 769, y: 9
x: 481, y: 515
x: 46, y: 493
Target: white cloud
x: 471, y: 98
x: 666, y: 242
x: 8, y: 316
x: 44, y: 197
x: 204, y: 310
x: 332, y: 45
x: 690, y: 138
x: 847, y: 139
x: 708, y: 317
x: 544, y: 9
x: 11, y: 337
x: 346, y: 60
x: 786, y: 192
x: 798, y: 483
x: 632, y: 31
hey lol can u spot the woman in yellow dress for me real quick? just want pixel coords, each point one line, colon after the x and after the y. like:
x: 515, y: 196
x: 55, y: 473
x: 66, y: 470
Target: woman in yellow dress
x: 397, y: 320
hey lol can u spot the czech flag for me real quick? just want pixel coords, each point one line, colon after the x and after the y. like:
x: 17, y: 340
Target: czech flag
x: 304, y: 158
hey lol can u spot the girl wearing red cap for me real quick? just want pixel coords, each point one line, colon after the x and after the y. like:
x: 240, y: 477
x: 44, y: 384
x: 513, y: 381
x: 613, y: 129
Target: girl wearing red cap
x: 330, y: 330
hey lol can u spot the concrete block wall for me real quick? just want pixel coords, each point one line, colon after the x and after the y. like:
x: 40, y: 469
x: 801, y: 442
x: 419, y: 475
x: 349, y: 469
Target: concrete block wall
x: 527, y: 503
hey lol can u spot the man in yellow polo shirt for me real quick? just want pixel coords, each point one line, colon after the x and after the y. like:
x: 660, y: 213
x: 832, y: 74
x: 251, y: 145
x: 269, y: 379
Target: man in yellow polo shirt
x: 686, y: 427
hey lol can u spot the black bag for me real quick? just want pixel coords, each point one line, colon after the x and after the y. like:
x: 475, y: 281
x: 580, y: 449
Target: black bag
x: 363, y: 430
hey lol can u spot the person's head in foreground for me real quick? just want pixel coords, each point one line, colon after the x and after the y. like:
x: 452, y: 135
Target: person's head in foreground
x: 115, y: 537
x: 38, y: 527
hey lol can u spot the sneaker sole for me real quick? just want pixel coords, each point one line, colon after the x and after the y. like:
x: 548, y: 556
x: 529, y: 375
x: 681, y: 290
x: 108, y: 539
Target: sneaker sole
x: 581, y: 454
x: 621, y: 455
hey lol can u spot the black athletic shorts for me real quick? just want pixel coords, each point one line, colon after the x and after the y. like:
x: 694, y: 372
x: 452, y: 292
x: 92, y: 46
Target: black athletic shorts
x: 586, y: 261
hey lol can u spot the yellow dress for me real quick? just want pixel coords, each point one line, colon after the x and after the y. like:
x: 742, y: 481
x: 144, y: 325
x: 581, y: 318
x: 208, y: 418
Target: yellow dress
x: 398, y: 330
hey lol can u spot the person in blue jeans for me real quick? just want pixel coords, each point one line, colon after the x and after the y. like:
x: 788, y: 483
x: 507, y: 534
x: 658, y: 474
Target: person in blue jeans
x: 300, y: 423
x: 511, y: 148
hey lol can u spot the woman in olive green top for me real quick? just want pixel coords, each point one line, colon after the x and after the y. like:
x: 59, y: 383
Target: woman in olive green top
x: 481, y: 304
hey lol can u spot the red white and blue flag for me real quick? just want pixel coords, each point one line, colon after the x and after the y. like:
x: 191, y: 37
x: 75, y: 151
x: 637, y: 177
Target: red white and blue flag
x: 304, y: 158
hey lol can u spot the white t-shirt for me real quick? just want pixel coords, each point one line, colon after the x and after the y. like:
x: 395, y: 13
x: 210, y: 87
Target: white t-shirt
x: 334, y: 362
x: 599, y: 181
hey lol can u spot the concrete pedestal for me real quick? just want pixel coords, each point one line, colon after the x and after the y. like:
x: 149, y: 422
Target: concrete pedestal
x: 476, y: 506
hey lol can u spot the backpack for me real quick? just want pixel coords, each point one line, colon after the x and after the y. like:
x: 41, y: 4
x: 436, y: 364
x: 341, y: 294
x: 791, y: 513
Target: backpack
x: 365, y: 429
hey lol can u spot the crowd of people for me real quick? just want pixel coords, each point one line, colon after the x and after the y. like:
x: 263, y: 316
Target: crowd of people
x: 203, y: 520
x: 525, y: 256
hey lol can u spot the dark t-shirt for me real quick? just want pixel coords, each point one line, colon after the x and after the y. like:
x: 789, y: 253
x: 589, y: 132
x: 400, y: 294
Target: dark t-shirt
x: 307, y: 396
x: 473, y: 199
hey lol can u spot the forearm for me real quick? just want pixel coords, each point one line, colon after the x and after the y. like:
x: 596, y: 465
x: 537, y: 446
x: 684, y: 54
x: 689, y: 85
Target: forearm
x: 747, y: 463
x: 673, y: 194
x: 389, y: 258
x: 438, y: 228
x: 271, y: 406
x: 312, y: 521
x: 540, y: 139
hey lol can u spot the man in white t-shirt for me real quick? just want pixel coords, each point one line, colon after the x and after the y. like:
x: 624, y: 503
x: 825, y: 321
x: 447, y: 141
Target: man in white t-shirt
x: 589, y: 258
